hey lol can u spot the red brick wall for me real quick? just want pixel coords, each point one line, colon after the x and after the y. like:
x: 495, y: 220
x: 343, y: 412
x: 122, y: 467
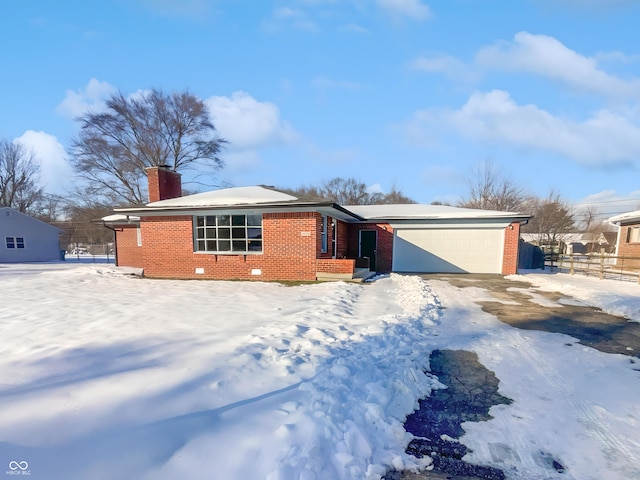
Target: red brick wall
x: 330, y: 265
x: 385, y: 243
x: 342, y: 237
x: 627, y: 249
x: 289, y: 243
x: 163, y: 184
x: 129, y: 253
x: 511, y: 244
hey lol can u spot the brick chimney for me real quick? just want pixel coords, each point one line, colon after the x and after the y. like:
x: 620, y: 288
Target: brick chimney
x: 163, y: 183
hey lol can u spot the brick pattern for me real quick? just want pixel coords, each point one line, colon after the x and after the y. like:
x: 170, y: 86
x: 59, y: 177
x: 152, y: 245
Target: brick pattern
x: 290, y: 246
x: 335, y: 265
x: 627, y: 249
x: 385, y: 243
x: 163, y: 184
x: 511, y: 245
x: 129, y: 253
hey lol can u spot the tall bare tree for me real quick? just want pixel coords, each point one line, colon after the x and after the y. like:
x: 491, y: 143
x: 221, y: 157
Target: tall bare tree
x: 490, y: 190
x: 19, y: 177
x: 552, y: 219
x: 114, y: 147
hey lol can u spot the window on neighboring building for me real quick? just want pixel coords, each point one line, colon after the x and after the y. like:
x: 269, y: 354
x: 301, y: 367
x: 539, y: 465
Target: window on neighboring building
x: 228, y: 233
x: 14, y: 242
x: 323, y: 233
x: 633, y: 235
x: 139, y: 236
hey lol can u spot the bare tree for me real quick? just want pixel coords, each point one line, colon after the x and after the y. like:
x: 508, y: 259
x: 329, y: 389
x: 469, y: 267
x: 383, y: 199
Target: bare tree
x: 19, y: 177
x: 489, y: 190
x: 114, y: 147
x: 350, y: 191
x: 552, y: 219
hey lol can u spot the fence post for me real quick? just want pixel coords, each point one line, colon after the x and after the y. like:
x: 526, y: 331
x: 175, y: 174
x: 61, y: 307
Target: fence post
x: 601, y: 266
x: 571, y: 270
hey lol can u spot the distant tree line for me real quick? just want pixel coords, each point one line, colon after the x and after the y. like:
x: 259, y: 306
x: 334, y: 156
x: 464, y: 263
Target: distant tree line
x: 349, y: 191
x: 553, y: 217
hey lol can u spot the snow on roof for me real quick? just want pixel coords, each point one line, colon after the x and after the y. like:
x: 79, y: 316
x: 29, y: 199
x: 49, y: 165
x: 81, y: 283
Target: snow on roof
x: 227, y: 196
x: 420, y: 211
x: 623, y: 217
x: 119, y: 218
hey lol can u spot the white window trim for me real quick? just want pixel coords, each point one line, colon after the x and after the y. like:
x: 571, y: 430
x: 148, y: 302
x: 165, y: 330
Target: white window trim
x: 228, y: 252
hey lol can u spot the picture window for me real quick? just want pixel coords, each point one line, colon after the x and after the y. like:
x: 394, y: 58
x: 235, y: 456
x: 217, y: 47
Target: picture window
x: 239, y: 234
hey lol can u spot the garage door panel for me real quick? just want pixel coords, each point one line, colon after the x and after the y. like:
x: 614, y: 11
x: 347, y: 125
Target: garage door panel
x: 448, y: 250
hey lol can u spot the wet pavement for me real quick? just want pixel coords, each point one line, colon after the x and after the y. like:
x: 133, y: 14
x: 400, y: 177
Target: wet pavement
x: 589, y: 325
x: 472, y: 389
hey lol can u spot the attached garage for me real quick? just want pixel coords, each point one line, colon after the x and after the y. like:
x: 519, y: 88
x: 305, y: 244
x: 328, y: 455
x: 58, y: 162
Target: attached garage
x: 445, y: 239
x: 448, y: 250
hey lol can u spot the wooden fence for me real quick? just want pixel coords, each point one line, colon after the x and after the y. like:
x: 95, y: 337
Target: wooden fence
x: 596, y: 265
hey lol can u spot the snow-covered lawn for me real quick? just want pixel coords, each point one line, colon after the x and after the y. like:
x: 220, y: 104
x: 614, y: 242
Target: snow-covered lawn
x: 107, y: 376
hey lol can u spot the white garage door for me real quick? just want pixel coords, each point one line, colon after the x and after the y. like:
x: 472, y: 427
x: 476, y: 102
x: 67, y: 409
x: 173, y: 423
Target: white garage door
x: 450, y: 250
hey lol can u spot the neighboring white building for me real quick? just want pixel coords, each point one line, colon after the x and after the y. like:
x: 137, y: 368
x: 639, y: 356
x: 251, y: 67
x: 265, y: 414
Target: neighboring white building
x: 27, y: 239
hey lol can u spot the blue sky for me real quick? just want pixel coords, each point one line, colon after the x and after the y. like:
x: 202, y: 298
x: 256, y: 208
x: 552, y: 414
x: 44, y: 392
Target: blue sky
x: 411, y: 93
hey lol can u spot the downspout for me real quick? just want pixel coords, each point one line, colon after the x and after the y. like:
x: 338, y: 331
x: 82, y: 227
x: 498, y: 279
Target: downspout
x: 115, y: 242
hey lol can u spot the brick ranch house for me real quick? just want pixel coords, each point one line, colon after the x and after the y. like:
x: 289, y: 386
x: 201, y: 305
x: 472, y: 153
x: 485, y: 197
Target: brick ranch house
x: 628, y: 242
x: 261, y: 233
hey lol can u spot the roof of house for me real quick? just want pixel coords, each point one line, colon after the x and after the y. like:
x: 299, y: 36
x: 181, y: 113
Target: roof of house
x: 30, y: 219
x: 417, y: 211
x: 270, y: 198
x: 256, y: 195
x: 629, y: 217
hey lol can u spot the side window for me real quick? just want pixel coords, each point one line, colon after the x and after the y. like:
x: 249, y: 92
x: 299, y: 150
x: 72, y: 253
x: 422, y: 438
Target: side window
x: 10, y: 242
x: 19, y: 242
x: 633, y: 235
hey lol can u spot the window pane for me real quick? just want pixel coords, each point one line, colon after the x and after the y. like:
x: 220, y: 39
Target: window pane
x: 20, y: 242
x: 211, y: 245
x: 255, y: 246
x: 254, y: 220
x: 10, y: 242
x: 239, y: 246
x: 200, y: 246
x: 200, y: 221
x: 238, y: 232
x: 254, y: 233
x: 238, y: 220
x: 211, y: 232
x: 199, y: 232
x: 224, y: 220
x: 224, y: 233
x: 224, y: 246
x: 211, y: 220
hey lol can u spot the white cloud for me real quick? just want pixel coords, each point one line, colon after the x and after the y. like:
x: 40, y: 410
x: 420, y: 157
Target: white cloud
x: 414, y: 9
x: 546, y: 56
x: 608, y: 203
x: 294, y: 17
x: 55, y: 169
x: 604, y: 139
x: 91, y: 98
x: 447, y: 65
x: 247, y: 123
x: 375, y: 188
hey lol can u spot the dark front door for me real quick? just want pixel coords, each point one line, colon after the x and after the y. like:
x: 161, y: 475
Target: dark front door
x: 369, y: 247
